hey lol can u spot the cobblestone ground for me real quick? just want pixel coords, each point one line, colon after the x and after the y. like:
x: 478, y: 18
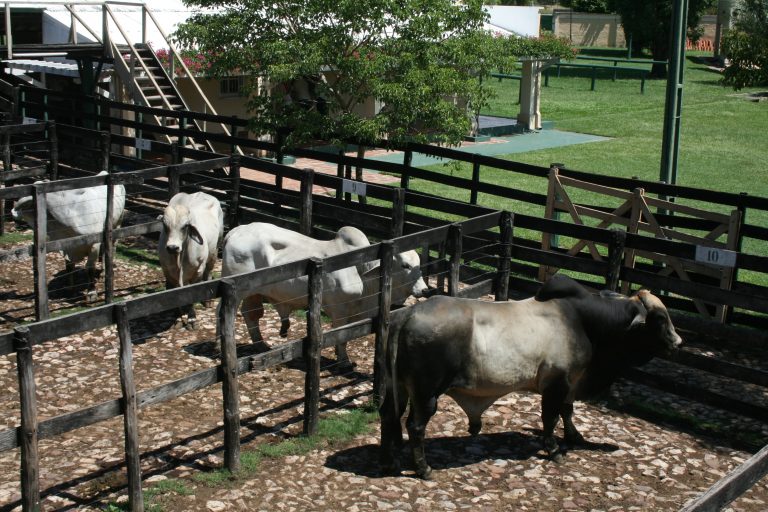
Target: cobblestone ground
x: 632, y: 464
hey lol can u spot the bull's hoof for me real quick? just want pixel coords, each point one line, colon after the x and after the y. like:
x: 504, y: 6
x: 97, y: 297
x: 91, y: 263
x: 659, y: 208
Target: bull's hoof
x: 474, y: 428
x: 190, y: 325
x: 557, y: 458
x: 424, y: 473
x: 91, y: 296
x: 575, y: 439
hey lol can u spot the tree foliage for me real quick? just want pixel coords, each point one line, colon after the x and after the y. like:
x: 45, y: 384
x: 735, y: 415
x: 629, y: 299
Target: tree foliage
x: 324, y: 59
x: 596, y: 6
x: 746, y: 46
x: 648, y: 23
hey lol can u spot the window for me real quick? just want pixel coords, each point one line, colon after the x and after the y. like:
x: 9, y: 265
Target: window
x: 231, y: 86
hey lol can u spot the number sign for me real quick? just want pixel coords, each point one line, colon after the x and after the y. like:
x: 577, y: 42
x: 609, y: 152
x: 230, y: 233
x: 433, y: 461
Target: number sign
x: 354, y: 187
x: 144, y: 144
x: 716, y: 257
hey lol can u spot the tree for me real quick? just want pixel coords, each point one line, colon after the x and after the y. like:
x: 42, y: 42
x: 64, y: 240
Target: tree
x: 648, y: 25
x: 597, y: 6
x: 746, y: 46
x: 324, y: 59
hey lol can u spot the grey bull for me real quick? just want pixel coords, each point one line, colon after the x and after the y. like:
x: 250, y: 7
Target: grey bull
x: 349, y: 294
x: 565, y: 344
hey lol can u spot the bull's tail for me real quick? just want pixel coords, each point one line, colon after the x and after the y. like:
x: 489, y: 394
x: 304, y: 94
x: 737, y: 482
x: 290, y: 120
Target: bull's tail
x: 398, y: 320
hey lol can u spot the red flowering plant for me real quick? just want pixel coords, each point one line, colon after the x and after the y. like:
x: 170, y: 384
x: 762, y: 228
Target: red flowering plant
x: 196, y: 62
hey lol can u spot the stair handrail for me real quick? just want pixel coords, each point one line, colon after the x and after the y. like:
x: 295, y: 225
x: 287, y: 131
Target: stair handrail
x: 135, y: 53
x: 174, y: 51
x: 71, y: 9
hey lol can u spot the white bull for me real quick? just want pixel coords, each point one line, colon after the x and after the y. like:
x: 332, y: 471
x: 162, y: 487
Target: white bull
x: 193, y: 226
x: 72, y: 213
x: 349, y: 294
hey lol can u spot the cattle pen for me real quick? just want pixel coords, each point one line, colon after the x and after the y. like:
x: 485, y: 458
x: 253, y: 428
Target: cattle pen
x: 487, y: 251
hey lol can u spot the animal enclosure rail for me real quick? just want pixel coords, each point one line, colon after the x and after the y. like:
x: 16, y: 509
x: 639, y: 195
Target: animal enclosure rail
x: 231, y: 290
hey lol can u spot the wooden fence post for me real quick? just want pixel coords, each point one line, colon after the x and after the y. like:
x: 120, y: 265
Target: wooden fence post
x: 41, y: 234
x: 615, y: 258
x: 340, y: 174
x: 405, y: 177
x: 130, y: 420
x: 506, y: 226
x: 6, y: 168
x: 104, y: 141
x: 386, y: 256
x: 398, y: 212
x: 234, y: 203
x: 475, y: 182
x: 227, y: 312
x: 307, y: 182
x: 30, y: 461
x: 53, y: 151
x: 174, y: 181
x: 312, y: 345
x: 108, y: 245
x: 454, y: 241
x: 175, y: 152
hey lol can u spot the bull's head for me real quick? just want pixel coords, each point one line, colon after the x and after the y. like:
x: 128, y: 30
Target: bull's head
x: 23, y: 211
x: 178, y: 227
x: 408, y: 275
x: 655, y: 319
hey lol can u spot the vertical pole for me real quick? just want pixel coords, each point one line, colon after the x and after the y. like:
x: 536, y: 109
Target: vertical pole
x: 174, y: 181
x: 8, y: 31
x: 359, y: 173
x: 182, y: 134
x: 348, y: 176
x: 405, y: 177
x: 41, y: 234
x: 53, y: 151
x: 108, y: 245
x: 398, y: 212
x: 227, y: 313
x: 175, y: 152
x: 6, y: 168
x: 454, y: 240
x: 475, y: 182
x: 386, y: 256
x: 130, y: 419
x: 340, y: 174
x: 312, y: 345
x: 615, y: 258
x: 30, y: 461
x: 234, y: 203
x: 307, y: 181
x: 506, y: 228
x: 674, y: 99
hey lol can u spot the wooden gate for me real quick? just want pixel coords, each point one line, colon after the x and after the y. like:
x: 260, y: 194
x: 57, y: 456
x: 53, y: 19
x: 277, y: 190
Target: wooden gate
x: 634, y: 213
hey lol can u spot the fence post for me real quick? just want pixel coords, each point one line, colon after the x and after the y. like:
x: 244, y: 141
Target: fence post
x: 41, y: 234
x: 174, y: 181
x: 405, y: 177
x: 130, y: 420
x: 386, y: 256
x: 53, y: 151
x: 104, y: 141
x: 30, y: 461
x: 615, y: 258
x: 506, y: 227
x: 454, y: 240
x: 312, y: 346
x: 227, y: 312
x: 6, y: 168
x: 398, y: 212
x: 475, y: 182
x: 340, y: 174
x: 175, y: 153
x: 108, y: 245
x: 234, y: 203
x: 307, y: 182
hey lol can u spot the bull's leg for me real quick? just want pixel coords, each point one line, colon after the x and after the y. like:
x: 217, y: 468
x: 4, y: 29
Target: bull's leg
x: 191, y: 317
x: 572, y: 436
x: 421, y: 411
x: 252, y: 310
x: 284, y: 312
x: 552, y: 398
x: 391, y: 430
x: 207, y: 271
x: 342, y: 356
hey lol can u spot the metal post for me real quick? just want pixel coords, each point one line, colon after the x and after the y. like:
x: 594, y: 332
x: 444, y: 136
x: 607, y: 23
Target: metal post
x: 674, y: 101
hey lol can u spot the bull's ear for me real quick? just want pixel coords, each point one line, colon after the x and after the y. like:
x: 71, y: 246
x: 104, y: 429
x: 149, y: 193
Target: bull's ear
x: 194, y: 234
x: 640, y: 315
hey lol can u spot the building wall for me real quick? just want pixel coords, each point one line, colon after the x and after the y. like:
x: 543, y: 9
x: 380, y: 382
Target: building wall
x: 584, y: 29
